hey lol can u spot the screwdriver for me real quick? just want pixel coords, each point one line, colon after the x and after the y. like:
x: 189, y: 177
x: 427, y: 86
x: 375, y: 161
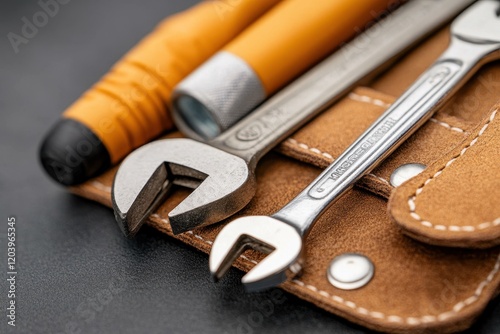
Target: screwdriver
x: 128, y: 106
x: 287, y: 40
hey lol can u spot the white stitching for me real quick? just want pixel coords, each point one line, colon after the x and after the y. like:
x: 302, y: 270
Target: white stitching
x: 446, y: 125
x: 328, y: 156
x: 457, y: 308
x: 314, y: 150
x: 380, y: 178
x: 368, y: 99
x: 426, y: 319
x: 453, y: 228
x: 197, y: 236
x: 383, y: 104
x: 412, y: 321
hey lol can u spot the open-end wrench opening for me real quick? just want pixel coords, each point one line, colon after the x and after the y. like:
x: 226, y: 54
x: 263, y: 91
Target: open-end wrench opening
x: 244, y: 242
x: 176, y: 176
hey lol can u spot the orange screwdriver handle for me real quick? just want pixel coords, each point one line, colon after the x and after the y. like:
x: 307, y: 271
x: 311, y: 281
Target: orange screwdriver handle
x: 128, y: 106
x: 303, y: 32
x: 286, y: 41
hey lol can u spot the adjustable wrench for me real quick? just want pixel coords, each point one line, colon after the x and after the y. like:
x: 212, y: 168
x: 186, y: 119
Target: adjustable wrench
x: 475, y: 41
x: 222, y: 170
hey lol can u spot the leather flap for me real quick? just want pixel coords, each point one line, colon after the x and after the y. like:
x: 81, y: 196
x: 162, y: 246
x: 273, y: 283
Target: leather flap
x: 456, y: 200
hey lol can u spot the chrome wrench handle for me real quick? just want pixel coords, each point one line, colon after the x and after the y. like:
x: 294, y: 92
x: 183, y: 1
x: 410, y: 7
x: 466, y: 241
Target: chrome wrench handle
x: 258, y: 133
x: 404, y: 117
x: 476, y: 40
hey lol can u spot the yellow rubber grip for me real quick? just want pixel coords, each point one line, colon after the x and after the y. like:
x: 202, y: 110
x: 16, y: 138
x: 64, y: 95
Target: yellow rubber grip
x: 128, y: 106
x: 303, y: 32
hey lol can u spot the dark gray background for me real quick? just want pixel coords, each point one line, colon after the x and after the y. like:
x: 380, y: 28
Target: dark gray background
x: 77, y: 273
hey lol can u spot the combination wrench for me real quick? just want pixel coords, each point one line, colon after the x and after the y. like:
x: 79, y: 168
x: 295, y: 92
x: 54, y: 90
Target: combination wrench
x: 222, y: 170
x: 475, y: 41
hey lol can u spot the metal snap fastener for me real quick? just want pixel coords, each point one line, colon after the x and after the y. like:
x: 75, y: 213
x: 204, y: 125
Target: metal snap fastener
x: 405, y: 172
x: 350, y: 271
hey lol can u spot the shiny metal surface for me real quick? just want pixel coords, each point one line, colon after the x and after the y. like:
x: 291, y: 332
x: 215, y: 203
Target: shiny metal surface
x: 328, y: 81
x: 350, y: 271
x: 138, y: 191
x: 405, y: 172
x: 267, y: 235
x: 464, y: 56
x: 222, y: 91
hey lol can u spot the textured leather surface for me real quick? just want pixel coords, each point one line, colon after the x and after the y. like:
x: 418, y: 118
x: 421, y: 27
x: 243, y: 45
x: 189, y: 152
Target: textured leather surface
x: 76, y: 271
x: 460, y: 207
x: 421, y: 268
x: 455, y: 201
x: 357, y: 223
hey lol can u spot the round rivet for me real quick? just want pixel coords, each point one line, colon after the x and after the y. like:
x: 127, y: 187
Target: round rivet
x: 350, y: 271
x: 405, y: 172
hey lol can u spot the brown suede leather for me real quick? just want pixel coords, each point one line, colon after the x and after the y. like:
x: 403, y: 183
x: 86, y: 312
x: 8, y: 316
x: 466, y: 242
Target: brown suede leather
x: 451, y: 213
x: 417, y: 286
x: 449, y: 287
x: 454, y: 202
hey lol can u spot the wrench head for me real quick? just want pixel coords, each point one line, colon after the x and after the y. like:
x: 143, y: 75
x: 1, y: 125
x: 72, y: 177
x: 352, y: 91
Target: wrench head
x: 281, y: 241
x: 480, y: 23
x: 223, y: 184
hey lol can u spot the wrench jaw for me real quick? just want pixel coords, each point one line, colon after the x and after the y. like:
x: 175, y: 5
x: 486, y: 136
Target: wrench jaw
x: 211, y: 203
x: 139, y: 186
x: 479, y: 24
x: 131, y: 215
x: 144, y: 179
x: 271, y: 236
x: 223, y: 184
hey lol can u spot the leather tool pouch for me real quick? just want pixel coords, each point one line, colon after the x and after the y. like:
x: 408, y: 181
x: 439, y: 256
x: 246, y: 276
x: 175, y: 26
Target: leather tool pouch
x: 433, y: 240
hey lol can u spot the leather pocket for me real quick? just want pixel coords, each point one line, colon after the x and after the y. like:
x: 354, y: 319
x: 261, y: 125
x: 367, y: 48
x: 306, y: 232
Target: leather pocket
x: 448, y: 287
x: 456, y: 195
x: 417, y: 285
